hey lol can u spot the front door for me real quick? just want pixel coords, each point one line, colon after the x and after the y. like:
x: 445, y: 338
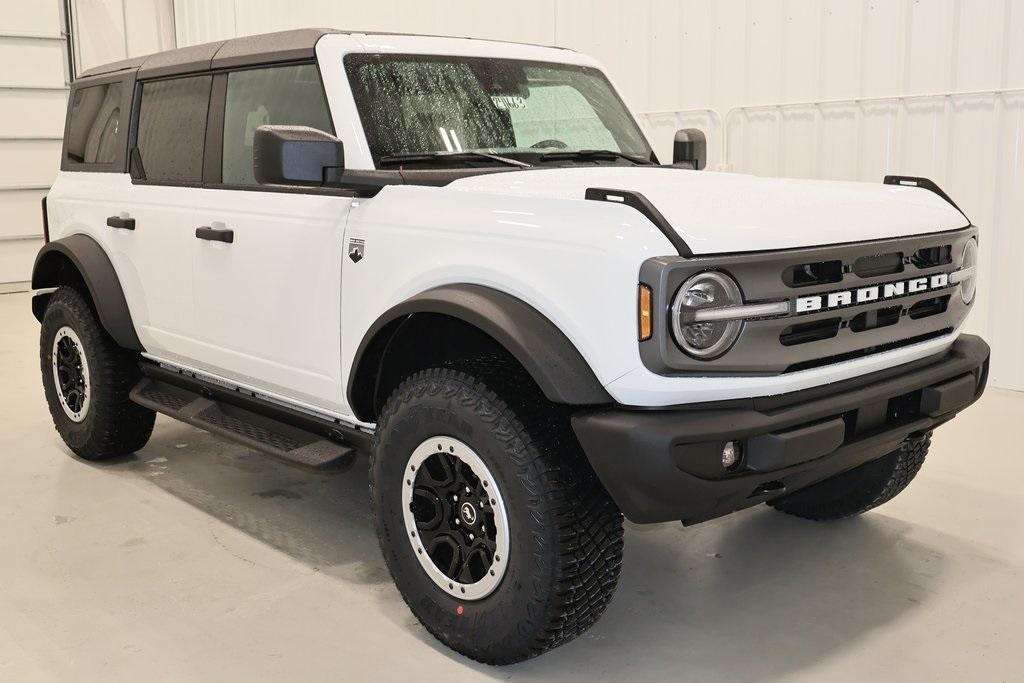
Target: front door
x: 267, y: 264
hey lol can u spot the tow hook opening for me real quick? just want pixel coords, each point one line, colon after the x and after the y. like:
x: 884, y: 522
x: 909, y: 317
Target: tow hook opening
x: 768, y: 488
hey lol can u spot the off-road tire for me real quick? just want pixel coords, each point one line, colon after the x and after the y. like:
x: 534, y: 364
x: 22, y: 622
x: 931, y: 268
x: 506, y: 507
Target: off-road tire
x: 565, y: 532
x: 113, y: 425
x: 861, y: 489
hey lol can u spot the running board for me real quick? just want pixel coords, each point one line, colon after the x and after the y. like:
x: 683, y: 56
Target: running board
x: 200, y: 408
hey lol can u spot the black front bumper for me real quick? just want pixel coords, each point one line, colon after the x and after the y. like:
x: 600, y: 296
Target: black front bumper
x: 665, y: 464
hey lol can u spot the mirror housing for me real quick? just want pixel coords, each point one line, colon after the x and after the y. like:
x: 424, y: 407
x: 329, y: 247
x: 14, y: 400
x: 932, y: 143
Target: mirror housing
x: 296, y: 155
x: 690, y: 149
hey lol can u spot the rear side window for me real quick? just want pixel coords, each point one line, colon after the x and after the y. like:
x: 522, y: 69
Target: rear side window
x: 172, y: 128
x: 92, y: 135
x: 284, y: 95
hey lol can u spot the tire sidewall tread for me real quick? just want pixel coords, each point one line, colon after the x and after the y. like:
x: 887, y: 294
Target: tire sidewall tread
x: 114, y: 425
x: 565, y: 533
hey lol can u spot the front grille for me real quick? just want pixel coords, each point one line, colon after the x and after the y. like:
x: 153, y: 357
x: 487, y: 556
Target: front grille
x: 859, y: 299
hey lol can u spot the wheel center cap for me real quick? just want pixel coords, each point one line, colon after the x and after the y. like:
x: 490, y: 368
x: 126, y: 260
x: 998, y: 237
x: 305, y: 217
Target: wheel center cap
x: 468, y: 513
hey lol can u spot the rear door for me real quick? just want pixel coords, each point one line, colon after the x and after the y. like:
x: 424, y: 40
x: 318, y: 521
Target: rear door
x: 268, y: 302
x: 154, y: 241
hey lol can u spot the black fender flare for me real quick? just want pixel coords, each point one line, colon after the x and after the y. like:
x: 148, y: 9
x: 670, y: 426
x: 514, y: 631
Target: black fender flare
x: 100, y: 278
x: 543, y: 350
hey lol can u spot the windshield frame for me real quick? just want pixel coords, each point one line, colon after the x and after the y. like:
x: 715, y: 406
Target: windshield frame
x: 354, y: 59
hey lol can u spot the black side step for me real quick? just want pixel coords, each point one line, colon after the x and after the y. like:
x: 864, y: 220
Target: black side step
x: 285, y: 441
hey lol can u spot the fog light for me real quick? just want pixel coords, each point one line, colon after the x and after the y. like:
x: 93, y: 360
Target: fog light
x: 730, y: 455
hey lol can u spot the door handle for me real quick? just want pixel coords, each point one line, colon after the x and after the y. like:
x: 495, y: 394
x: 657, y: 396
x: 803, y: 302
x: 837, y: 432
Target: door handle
x: 121, y: 223
x: 205, y: 232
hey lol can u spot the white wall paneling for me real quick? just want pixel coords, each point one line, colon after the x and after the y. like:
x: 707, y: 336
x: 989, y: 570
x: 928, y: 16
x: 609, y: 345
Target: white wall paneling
x: 109, y: 30
x: 33, y: 93
x: 33, y: 97
x: 661, y: 128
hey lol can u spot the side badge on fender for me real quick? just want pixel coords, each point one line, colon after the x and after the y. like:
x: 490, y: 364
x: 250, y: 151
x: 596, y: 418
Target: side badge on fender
x: 356, y: 249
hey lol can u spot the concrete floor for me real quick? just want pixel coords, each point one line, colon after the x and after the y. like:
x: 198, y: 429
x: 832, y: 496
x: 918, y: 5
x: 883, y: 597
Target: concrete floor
x: 197, y: 559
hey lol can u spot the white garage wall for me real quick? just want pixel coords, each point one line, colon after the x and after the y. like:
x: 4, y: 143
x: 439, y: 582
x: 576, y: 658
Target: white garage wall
x: 109, y: 30
x: 33, y: 97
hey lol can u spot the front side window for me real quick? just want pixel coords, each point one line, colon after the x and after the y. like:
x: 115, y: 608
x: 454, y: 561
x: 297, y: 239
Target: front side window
x: 285, y: 95
x: 438, y: 105
x: 94, y: 124
x: 172, y: 128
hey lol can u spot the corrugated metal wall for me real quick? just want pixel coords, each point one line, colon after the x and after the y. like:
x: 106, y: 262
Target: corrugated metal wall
x: 33, y: 96
x: 680, y: 54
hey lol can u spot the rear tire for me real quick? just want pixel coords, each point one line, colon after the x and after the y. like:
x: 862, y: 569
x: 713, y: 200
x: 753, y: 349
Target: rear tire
x: 563, y: 532
x: 87, y: 378
x: 861, y: 489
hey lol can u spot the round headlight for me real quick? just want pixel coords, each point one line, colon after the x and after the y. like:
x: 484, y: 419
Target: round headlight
x: 705, y: 339
x: 970, y: 260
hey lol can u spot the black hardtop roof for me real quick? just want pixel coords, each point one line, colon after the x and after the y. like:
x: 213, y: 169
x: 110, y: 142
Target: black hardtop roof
x: 264, y: 48
x: 267, y: 47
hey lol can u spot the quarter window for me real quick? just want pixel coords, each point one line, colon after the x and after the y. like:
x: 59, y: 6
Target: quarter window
x: 172, y: 128
x: 94, y: 124
x: 284, y: 95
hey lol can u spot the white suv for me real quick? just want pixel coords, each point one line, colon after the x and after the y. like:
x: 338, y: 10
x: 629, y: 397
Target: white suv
x: 464, y: 258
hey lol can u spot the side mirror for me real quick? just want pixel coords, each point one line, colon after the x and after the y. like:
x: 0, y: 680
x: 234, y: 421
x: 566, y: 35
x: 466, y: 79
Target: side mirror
x: 296, y: 155
x: 690, y: 149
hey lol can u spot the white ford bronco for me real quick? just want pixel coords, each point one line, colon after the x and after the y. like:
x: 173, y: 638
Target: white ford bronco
x: 464, y: 259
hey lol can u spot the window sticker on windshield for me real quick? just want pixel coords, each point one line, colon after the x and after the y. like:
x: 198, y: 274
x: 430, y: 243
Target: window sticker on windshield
x: 509, y: 101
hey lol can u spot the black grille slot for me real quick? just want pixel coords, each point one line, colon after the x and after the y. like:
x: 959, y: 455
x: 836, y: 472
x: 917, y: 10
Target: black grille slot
x: 923, y: 309
x: 933, y: 256
x: 879, y: 264
x: 809, y: 332
x: 872, y: 320
x: 860, y: 353
x: 807, y: 274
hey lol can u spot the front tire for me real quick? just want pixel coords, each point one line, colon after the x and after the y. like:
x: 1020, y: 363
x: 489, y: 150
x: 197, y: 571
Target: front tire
x: 862, y: 488
x: 87, y: 378
x: 516, y: 461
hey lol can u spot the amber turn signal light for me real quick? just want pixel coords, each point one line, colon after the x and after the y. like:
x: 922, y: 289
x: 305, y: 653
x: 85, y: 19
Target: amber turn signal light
x: 644, y: 312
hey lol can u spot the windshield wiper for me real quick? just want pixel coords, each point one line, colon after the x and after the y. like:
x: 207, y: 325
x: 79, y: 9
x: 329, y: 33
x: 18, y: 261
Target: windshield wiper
x: 452, y: 156
x: 587, y: 154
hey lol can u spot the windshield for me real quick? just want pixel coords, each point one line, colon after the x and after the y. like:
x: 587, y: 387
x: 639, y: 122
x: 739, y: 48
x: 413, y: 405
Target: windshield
x: 430, y: 109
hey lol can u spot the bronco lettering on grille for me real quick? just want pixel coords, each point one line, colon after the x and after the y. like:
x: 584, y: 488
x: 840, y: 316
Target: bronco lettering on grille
x: 864, y: 295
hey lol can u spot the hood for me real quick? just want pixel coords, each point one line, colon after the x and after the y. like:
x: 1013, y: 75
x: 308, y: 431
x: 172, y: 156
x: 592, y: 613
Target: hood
x: 728, y: 212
